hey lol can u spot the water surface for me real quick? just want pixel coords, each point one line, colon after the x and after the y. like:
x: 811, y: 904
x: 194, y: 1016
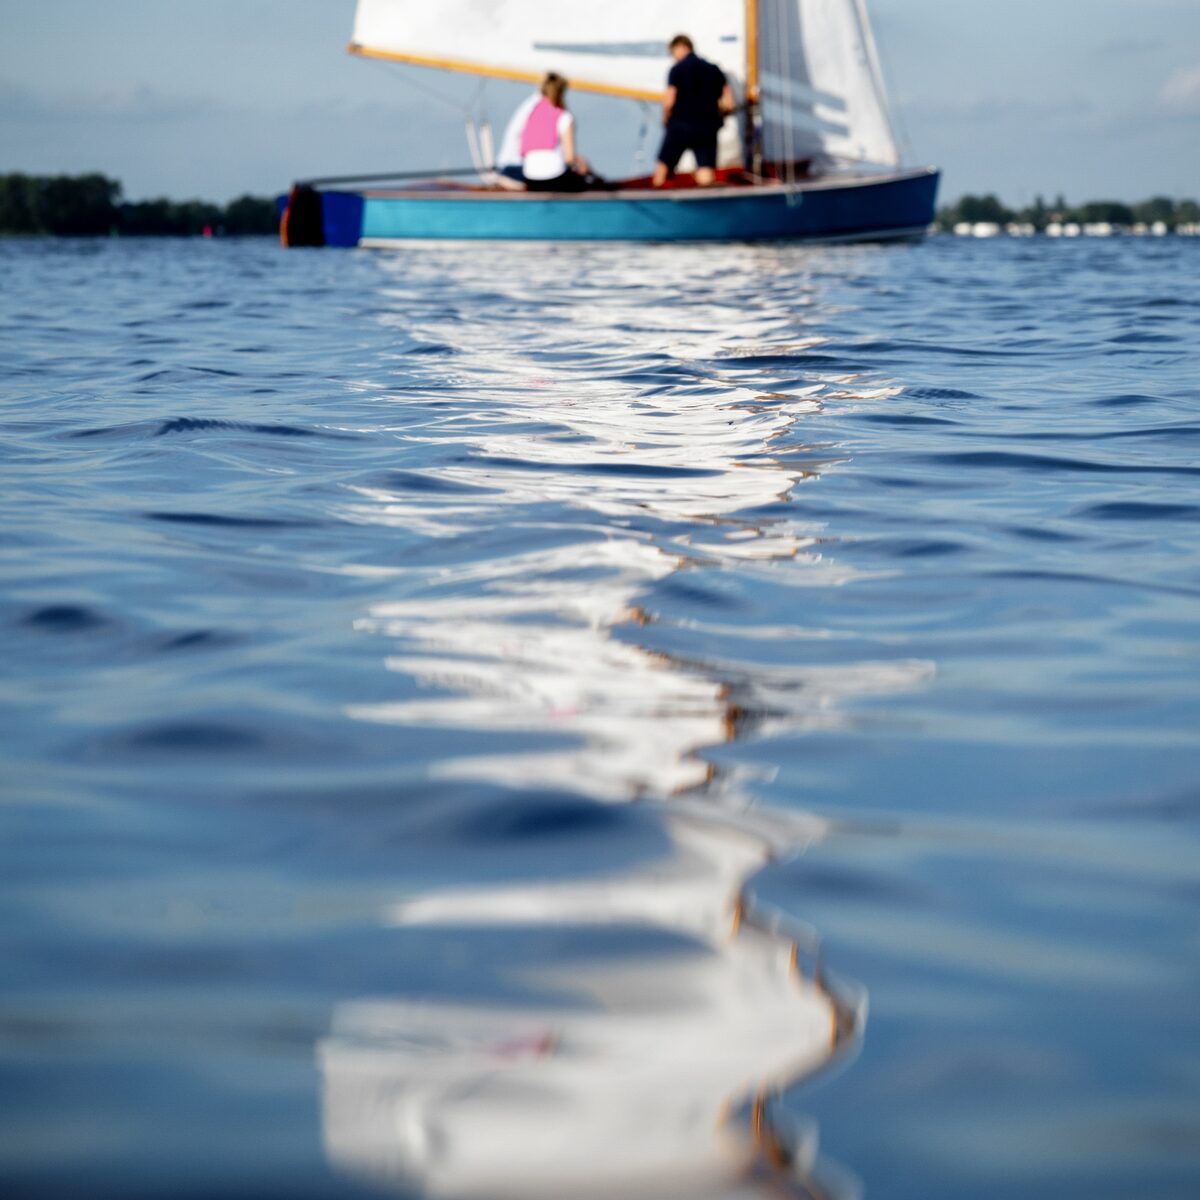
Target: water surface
x: 409, y: 658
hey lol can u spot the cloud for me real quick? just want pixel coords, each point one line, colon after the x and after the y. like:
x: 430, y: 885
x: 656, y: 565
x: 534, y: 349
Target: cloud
x: 130, y: 103
x: 998, y: 109
x: 138, y: 102
x: 1181, y: 92
x: 17, y: 102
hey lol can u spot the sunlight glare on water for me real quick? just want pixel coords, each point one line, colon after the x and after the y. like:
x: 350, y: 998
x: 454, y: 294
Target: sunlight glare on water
x: 460, y: 703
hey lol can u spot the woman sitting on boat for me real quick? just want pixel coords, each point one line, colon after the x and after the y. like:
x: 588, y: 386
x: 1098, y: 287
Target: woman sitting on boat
x: 548, y: 158
x: 510, y: 174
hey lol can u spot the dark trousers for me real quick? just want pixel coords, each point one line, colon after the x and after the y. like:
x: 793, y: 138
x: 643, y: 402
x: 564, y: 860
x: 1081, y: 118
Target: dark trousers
x: 568, y: 181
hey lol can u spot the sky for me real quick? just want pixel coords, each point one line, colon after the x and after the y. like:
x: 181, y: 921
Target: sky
x: 1094, y: 99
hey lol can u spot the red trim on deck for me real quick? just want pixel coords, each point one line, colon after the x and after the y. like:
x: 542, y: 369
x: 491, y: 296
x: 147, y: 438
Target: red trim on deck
x: 726, y: 177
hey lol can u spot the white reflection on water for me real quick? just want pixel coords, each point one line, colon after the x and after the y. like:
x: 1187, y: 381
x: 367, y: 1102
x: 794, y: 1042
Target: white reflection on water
x: 592, y: 401
x: 628, y: 1078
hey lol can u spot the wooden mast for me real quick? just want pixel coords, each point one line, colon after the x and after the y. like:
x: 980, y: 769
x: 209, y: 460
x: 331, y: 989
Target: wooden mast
x: 753, y: 139
x: 752, y: 51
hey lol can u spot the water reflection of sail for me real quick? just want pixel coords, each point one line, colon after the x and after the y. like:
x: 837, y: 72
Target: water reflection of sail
x: 618, y: 1076
x: 625, y: 1079
x: 532, y: 648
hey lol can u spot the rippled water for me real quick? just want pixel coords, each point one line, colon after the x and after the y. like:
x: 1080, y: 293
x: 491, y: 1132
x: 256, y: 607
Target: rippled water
x: 411, y: 662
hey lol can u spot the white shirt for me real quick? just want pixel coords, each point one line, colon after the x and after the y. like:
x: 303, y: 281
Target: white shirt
x: 549, y: 164
x: 510, y: 144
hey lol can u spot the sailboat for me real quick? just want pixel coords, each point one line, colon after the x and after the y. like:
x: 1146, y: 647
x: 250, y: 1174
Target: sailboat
x: 810, y: 153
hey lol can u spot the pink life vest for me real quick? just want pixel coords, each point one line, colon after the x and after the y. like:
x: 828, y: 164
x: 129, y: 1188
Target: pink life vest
x: 541, y: 130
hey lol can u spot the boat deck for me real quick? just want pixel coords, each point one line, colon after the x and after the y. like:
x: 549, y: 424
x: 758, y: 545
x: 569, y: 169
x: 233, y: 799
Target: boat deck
x: 729, y: 183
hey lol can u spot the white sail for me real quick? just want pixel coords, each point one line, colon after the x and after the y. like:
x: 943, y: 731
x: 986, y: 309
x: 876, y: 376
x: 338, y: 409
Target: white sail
x: 613, y: 46
x: 814, y: 61
x: 821, y: 86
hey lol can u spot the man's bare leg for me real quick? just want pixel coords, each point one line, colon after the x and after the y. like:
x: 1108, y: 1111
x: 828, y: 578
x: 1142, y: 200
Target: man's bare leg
x: 705, y: 177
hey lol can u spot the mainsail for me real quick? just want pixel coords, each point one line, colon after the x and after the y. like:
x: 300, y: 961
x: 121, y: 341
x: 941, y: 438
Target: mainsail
x: 616, y: 47
x: 812, y: 64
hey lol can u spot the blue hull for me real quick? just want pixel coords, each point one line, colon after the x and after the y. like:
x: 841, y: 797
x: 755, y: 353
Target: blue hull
x: 899, y: 205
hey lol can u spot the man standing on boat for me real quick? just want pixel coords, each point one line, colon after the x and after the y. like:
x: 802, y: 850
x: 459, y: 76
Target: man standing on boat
x: 697, y: 102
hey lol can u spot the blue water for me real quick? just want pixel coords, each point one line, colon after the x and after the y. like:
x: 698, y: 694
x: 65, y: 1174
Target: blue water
x: 332, y: 581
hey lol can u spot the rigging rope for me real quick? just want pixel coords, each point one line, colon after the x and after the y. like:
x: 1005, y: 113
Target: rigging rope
x: 790, y: 124
x: 401, y: 76
x: 787, y: 122
x: 473, y: 144
x: 641, y: 155
x: 474, y: 115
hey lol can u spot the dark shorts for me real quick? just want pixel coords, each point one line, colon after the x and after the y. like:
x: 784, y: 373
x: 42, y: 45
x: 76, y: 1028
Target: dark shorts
x: 515, y: 173
x: 568, y: 181
x: 679, y: 137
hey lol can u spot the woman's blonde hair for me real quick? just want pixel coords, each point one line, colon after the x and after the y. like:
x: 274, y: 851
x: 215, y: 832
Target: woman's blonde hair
x: 554, y: 88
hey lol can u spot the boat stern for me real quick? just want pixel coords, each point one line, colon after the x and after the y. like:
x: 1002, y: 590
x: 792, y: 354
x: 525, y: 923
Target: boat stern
x: 309, y: 217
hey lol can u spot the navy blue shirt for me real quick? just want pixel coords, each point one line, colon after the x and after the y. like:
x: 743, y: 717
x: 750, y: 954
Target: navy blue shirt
x: 698, y: 85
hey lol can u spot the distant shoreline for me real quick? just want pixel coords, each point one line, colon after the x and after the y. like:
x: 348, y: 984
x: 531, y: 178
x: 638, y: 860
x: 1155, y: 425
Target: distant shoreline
x: 987, y: 216
x: 92, y: 206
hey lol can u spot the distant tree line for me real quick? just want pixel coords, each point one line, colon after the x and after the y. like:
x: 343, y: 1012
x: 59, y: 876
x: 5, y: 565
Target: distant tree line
x: 92, y: 205
x: 990, y: 210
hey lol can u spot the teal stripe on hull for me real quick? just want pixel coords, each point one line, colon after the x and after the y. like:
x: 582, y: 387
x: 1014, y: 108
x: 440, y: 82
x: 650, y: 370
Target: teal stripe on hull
x: 878, y: 207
